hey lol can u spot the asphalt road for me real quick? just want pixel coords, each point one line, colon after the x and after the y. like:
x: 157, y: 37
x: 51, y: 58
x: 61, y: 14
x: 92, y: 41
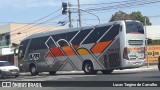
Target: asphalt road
x: 117, y: 75
x: 129, y: 75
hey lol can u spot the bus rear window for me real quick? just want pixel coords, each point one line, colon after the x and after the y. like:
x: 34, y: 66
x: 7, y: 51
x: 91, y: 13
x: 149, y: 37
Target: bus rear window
x: 134, y: 28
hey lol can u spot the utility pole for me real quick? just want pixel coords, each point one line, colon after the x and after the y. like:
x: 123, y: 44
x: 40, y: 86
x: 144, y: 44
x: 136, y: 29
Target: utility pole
x: 79, y: 13
x: 69, y: 12
x: 146, y: 41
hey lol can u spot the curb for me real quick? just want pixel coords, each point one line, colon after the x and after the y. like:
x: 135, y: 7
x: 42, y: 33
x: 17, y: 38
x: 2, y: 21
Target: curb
x: 143, y: 68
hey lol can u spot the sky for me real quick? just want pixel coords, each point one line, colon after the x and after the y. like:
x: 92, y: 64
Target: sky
x: 28, y: 11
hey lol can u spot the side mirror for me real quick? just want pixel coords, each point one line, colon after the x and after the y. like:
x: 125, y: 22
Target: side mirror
x: 16, y: 50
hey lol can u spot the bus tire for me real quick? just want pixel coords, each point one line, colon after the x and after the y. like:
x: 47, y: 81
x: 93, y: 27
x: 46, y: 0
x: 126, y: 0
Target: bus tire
x: 17, y: 75
x: 88, y: 68
x: 1, y: 75
x: 52, y: 72
x: 107, y: 71
x: 33, y: 70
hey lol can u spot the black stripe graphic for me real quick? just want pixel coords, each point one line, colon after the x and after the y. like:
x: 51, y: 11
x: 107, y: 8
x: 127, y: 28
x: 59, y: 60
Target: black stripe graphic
x: 113, y: 32
x: 67, y: 36
x: 80, y: 37
x: 96, y: 34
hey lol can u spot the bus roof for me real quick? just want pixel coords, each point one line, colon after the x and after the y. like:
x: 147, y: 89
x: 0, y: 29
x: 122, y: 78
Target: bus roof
x: 70, y: 30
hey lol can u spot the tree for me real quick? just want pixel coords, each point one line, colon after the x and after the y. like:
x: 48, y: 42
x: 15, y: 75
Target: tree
x: 138, y: 16
x: 133, y: 16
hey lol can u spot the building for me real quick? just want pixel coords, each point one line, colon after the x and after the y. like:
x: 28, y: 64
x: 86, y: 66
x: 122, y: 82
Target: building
x: 153, y: 51
x: 13, y: 33
x: 153, y: 32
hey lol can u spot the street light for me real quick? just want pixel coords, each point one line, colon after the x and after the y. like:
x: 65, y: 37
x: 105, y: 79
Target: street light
x: 87, y: 12
x: 92, y: 14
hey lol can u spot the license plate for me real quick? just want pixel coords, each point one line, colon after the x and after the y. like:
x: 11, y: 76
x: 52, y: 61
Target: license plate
x: 14, y: 72
x: 132, y: 55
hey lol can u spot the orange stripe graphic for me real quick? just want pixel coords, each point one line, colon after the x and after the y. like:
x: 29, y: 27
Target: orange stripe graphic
x: 82, y: 51
x: 99, y: 47
x: 56, y: 52
x: 49, y: 55
x: 68, y: 51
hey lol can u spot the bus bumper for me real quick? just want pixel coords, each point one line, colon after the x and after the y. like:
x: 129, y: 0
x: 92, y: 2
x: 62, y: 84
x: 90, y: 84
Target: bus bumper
x: 133, y: 64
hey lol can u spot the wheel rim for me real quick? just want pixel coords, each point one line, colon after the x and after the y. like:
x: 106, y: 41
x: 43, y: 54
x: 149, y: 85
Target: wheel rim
x: 33, y: 69
x: 88, y: 68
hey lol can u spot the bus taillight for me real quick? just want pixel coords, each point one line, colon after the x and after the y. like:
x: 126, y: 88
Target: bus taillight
x: 125, y: 53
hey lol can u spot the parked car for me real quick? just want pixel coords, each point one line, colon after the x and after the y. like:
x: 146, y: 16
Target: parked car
x: 6, y: 69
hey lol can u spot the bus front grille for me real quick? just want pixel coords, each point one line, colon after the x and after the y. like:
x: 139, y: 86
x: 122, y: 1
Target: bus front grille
x: 135, y: 42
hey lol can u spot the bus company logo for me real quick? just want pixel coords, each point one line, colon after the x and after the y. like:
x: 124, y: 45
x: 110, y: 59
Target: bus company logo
x: 34, y: 56
x: 6, y: 84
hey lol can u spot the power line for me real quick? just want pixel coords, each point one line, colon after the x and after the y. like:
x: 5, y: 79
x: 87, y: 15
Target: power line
x: 33, y: 25
x: 153, y: 16
x: 87, y: 24
x: 44, y: 28
x: 105, y: 3
x: 20, y: 38
x: 37, y: 20
x: 118, y: 5
x: 123, y: 5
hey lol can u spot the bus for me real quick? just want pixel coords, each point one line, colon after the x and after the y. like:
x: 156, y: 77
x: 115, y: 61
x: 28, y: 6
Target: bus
x: 104, y: 47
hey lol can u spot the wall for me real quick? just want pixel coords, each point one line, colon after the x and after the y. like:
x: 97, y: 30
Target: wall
x: 4, y: 29
x: 21, y: 31
x: 153, y: 53
x: 153, y: 32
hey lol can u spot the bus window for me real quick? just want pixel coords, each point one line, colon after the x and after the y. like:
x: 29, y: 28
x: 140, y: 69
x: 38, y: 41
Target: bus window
x: 22, y: 49
x: 120, y: 28
x: 134, y: 27
x: 37, y: 43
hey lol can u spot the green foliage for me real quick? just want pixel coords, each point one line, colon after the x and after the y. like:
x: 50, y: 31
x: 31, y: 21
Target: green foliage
x: 138, y: 16
x: 133, y: 16
x: 155, y: 42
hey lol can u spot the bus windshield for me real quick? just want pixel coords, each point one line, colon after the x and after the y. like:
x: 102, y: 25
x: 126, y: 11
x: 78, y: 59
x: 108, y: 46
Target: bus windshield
x: 134, y: 28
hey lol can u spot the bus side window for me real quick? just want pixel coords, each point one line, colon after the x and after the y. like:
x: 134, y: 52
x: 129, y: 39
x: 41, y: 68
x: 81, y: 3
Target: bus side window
x: 120, y: 28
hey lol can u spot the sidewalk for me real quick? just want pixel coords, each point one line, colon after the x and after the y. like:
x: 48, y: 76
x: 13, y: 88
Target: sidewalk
x: 143, y: 68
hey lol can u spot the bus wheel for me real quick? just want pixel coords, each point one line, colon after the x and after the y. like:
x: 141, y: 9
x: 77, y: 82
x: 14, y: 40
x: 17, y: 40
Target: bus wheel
x: 88, y: 68
x: 17, y: 75
x: 107, y: 71
x: 1, y: 75
x: 52, y: 72
x: 33, y: 70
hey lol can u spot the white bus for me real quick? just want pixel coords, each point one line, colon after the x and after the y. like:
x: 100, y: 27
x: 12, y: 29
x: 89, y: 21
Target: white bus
x: 104, y: 47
